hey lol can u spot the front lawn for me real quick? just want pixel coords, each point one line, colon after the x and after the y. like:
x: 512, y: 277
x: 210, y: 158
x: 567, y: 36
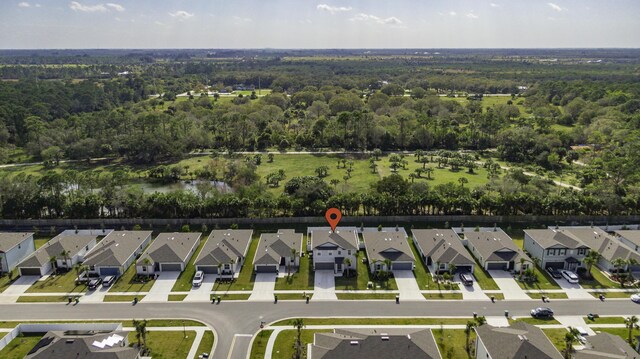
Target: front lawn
x: 604, y: 320
x: 5, y: 282
x: 544, y: 281
x: 167, y: 345
x: 553, y: 295
x: 598, y: 281
x: 303, y: 279
x: 534, y: 321
x: 128, y: 283
x: 442, y: 296
x: 482, y: 276
x: 64, y: 283
x: 122, y: 298
x: 246, y: 277
x: 365, y: 296
x: 362, y: 278
x: 451, y: 342
x: 259, y: 346
x: 557, y: 336
x: 224, y: 296
x: 294, y: 296
x: 206, y: 344
x: 20, y: 346
x: 183, y: 284
x: 42, y: 299
x: 423, y: 277
x: 283, y: 347
x: 177, y: 297
x: 612, y: 294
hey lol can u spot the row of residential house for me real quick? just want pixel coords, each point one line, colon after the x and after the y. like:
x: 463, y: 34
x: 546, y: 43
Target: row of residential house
x: 225, y: 251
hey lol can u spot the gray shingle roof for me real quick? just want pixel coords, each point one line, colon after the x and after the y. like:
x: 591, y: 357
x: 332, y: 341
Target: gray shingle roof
x: 548, y: 238
x: 632, y: 236
x: 60, y: 345
x: 345, y: 239
x: 600, y: 241
x: 387, y: 245
x: 442, y: 245
x: 369, y: 343
x: 605, y: 345
x: 54, y: 247
x: 273, y: 246
x: 520, y: 340
x: 222, y: 246
x: 10, y: 240
x: 170, y: 248
x: 116, y: 248
x: 495, y: 246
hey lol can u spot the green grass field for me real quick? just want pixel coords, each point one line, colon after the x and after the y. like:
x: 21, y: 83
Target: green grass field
x: 303, y: 279
x: 377, y: 321
x: 544, y: 281
x: 363, y: 277
x: 442, y: 296
x: 604, y: 320
x: 183, y: 284
x: 122, y: 298
x: 365, y: 296
x: 423, y: 277
x: 260, y: 344
x: 42, y: 299
x: 65, y: 283
x: 126, y: 282
x: 483, y: 278
x: 20, y: 346
x: 206, y: 344
x: 5, y: 282
x: 552, y: 295
x: 612, y: 294
x: 534, y: 321
x: 167, y: 345
x: 451, y: 342
x: 599, y: 281
x: 556, y: 336
x: 283, y: 347
x: 176, y: 297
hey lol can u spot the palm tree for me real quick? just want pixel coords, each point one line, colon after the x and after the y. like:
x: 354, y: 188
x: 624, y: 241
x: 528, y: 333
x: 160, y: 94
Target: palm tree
x: 141, y: 332
x: 452, y: 268
x: 54, y: 263
x: 631, y: 323
x: 298, y: 324
x: 619, y: 264
x: 294, y: 253
x: 462, y: 181
x: 569, y: 338
x: 347, y: 264
x: 467, y: 331
x: 429, y: 171
x: 437, y: 274
x: 65, y: 254
x: 592, y: 258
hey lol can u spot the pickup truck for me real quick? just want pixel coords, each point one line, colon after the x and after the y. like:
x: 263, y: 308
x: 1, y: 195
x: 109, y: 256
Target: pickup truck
x: 85, y: 277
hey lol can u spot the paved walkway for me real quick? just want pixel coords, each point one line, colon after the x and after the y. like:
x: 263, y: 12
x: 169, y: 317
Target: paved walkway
x: 574, y: 291
x: 324, y: 285
x: 407, y: 285
x: 162, y: 287
x: 263, y: 287
x: 574, y: 321
x: 508, y: 285
x: 202, y: 293
x: 96, y: 296
x: 473, y: 292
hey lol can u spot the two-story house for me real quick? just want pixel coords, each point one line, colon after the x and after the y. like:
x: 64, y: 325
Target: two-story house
x: 332, y: 249
x: 555, y: 248
x: 602, y: 242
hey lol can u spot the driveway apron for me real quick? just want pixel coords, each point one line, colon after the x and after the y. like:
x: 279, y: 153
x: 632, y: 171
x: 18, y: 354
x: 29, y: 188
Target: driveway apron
x: 407, y: 285
x: 263, y: 287
x: 162, y: 287
x: 508, y: 285
x: 324, y: 285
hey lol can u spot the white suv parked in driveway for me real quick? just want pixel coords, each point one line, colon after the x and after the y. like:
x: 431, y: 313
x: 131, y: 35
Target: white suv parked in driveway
x: 570, y: 276
x: 198, y: 278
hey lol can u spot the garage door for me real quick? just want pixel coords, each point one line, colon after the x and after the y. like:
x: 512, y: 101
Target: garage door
x: 30, y: 271
x: 109, y: 271
x: 463, y: 269
x: 554, y: 265
x: 402, y: 266
x: 494, y: 266
x: 171, y: 267
x: 208, y: 269
x: 324, y: 265
x: 266, y: 269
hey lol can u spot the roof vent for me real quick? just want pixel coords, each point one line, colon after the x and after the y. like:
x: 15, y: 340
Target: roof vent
x: 353, y: 342
x: 385, y: 338
x: 70, y: 341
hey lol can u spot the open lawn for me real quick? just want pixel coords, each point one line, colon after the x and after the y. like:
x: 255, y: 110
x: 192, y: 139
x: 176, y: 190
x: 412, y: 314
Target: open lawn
x: 283, y: 347
x: 127, y: 282
x: 5, y: 282
x: 365, y: 296
x: 20, y: 346
x: 122, y: 298
x: 39, y: 242
x: 294, y: 296
x: 65, y: 283
x: 206, y: 344
x: 552, y: 295
x: 556, y: 335
x: 544, y: 281
x: 442, y: 296
x: 451, y: 342
x: 167, y: 345
x: 483, y: 278
x: 622, y: 333
x: 377, y: 321
x: 42, y: 298
x: 612, y: 294
x: 125, y: 323
x: 423, y: 277
x: 604, y: 320
x: 303, y: 279
x: 260, y: 344
x: 599, y: 281
x: 183, y: 284
x: 363, y: 277
x: 534, y: 321
x: 225, y: 296
x: 246, y: 277
x: 177, y: 297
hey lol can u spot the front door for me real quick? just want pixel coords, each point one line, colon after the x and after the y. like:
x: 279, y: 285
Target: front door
x: 572, y: 266
x: 339, y: 267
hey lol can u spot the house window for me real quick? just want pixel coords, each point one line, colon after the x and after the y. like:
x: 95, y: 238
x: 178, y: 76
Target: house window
x: 86, y: 248
x: 339, y: 252
x: 329, y: 253
x: 582, y: 251
x: 563, y: 252
x: 319, y: 253
x: 144, y: 268
x: 349, y: 252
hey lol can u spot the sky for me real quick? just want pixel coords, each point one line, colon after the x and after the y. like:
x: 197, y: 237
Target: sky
x: 38, y: 24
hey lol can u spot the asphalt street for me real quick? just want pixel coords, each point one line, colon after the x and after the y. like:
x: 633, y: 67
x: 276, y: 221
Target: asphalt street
x: 235, y: 321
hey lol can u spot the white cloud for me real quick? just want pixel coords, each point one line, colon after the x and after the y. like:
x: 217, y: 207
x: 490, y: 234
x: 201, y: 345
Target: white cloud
x: 182, y: 15
x: 472, y: 16
x: 116, y: 7
x: 452, y: 13
x: 555, y: 7
x: 333, y: 9
x: 494, y: 5
x: 378, y: 20
x: 76, y: 6
x: 240, y: 20
x: 24, y: 4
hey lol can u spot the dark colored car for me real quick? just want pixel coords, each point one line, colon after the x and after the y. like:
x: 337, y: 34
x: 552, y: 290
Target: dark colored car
x: 554, y: 273
x: 94, y: 283
x: 466, y: 278
x: 542, y: 313
x: 108, y: 280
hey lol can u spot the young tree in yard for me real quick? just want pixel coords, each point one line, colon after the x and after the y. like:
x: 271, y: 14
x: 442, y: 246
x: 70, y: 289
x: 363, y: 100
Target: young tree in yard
x: 65, y: 255
x: 452, y: 268
x: 592, y: 258
x: 467, y: 332
x: 620, y: 264
x: 53, y: 260
x: 569, y: 338
x: 631, y: 323
x: 294, y: 253
x: 377, y: 153
x: 298, y: 323
x: 347, y: 264
x: 141, y: 332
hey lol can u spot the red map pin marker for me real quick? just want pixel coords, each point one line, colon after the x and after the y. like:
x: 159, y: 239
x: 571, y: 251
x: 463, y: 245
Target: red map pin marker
x: 333, y: 216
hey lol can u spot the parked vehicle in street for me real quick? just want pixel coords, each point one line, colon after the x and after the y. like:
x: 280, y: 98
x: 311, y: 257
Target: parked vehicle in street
x: 635, y: 298
x: 542, y: 312
x: 570, y: 276
x: 198, y: 278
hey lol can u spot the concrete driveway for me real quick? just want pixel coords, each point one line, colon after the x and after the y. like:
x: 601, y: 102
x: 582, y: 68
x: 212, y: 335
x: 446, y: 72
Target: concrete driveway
x: 263, y: 287
x: 11, y: 294
x: 472, y: 291
x: 407, y: 285
x: 95, y: 296
x: 574, y: 291
x: 162, y: 287
x: 324, y: 286
x: 203, y: 292
x: 508, y: 285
